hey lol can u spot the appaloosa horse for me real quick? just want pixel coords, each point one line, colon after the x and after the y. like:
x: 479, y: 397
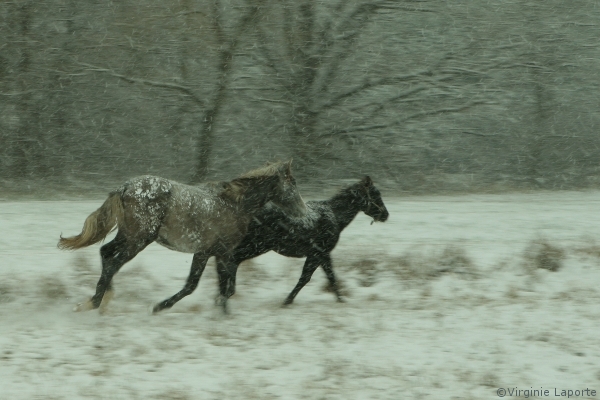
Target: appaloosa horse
x: 208, y: 220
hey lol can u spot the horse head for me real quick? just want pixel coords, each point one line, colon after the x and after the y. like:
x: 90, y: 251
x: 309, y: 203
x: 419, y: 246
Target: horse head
x: 371, y: 201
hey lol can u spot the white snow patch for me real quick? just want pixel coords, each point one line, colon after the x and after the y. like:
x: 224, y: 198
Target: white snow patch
x: 396, y: 336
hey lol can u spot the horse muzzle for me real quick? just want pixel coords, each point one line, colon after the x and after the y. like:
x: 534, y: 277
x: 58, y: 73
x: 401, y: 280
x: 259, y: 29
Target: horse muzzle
x: 382, y: 217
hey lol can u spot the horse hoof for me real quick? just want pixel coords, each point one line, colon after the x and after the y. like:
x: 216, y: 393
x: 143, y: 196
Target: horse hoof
x: 156, y: 309
x: 105, y: 300
x: 85, y: 306
x: 220, y: 299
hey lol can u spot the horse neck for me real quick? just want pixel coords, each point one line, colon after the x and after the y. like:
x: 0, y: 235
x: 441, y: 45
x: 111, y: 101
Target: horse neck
x: 345, y: 205
x: 256, y: 196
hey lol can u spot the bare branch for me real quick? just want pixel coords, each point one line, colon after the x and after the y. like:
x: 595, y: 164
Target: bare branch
x: 394, y: 5
x: 188, y: 13
x: 363, y: 10
x: 360, y: 129
x: 371, y: 83
x: 353, y: 23
x: 217, y: 24
x: 271, y: 100
x: 252, y: 88
x: 402, y: 120
x: 264, y: 49
x: 351, y: 27
x: 224, y: 67
x: 326, y: 34
x: 184, y: 89
x: 288, y: 31
x: 381, y: 105
x: 443, y: 110
x: 17, y: 93
x: 458, y: 70
x: 475, y: 133
x: 403, y: 95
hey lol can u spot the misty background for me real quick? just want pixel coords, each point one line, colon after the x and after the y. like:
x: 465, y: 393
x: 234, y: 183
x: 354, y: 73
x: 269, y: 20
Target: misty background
x: 424, y: 96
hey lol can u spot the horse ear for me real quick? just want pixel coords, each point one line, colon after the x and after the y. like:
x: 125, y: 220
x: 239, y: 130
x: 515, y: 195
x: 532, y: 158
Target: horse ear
x: 288, y: 169
x: 367, y: 181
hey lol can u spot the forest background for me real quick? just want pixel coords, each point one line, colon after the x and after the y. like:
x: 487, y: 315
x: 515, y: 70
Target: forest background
x: 425, y: 96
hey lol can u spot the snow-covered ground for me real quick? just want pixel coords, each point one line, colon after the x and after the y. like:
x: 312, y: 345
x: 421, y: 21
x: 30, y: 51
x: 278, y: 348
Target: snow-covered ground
x: 443, y: 301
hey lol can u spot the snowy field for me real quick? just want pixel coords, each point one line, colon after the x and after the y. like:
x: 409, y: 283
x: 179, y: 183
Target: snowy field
x: 444, y: 301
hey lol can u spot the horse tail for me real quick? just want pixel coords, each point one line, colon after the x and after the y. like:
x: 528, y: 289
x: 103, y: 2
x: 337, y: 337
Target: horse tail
x: 99, y: 224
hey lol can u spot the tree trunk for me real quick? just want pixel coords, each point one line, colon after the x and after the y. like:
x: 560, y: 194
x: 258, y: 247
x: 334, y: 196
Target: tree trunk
x: 304, y: 140
x: 25, y: 143
x: 227, y: 48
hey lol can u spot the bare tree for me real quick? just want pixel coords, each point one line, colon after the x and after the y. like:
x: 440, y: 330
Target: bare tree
x: 95, y: 91
x: 227, y: 40
x: 307, y: 65
x: 24, y: 144
x: 227, y: 45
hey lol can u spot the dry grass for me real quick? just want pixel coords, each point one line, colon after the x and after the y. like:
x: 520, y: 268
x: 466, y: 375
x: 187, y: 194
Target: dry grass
x: 53, y: 288
x: 6, y: 293
x: 540, y: 254
x: 85, y: 273
x: 367, y: 270
x: 135, y: 272
x: 250, y: 270
x: 432, y: 264
x: 590, y: 250
x: 173, y: 394
x: 490, y: 380
x: 421, y: 264
x: 135, y: 284
x: 512, y: 293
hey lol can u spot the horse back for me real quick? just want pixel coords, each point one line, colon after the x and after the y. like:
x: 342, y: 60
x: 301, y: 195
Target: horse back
x: 272, y: 229
x: 145, y: 200
x: 198, y: 219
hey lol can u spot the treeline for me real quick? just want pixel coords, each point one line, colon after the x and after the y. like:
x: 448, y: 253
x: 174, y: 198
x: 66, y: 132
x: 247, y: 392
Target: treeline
x: 423, y: 95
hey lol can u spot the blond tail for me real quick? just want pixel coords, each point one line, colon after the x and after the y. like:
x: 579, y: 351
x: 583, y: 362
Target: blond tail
x: 99, y: 224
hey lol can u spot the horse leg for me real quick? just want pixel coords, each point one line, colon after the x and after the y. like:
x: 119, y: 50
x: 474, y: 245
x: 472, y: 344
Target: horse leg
x: 226, y: 269
x: 114, y: 255
x: 327, y: 267
x: 198, y: 264
x: 310, y: 265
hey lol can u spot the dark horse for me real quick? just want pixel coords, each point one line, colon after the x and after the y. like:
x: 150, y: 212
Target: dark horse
x: 208, y: 220
x: 313, y: 235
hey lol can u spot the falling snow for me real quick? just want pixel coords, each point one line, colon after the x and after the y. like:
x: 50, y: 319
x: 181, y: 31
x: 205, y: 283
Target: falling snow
x: 453, y: 297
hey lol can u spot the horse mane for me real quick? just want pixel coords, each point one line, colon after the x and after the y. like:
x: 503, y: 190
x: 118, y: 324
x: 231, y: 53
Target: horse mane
x: 342, y: 193
x: 360, y: 186
x: 265, y: 171
x: 236, y: 188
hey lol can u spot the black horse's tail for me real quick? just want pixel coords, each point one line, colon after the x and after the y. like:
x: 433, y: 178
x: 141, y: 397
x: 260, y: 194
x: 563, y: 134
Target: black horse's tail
x: 99, y: 224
